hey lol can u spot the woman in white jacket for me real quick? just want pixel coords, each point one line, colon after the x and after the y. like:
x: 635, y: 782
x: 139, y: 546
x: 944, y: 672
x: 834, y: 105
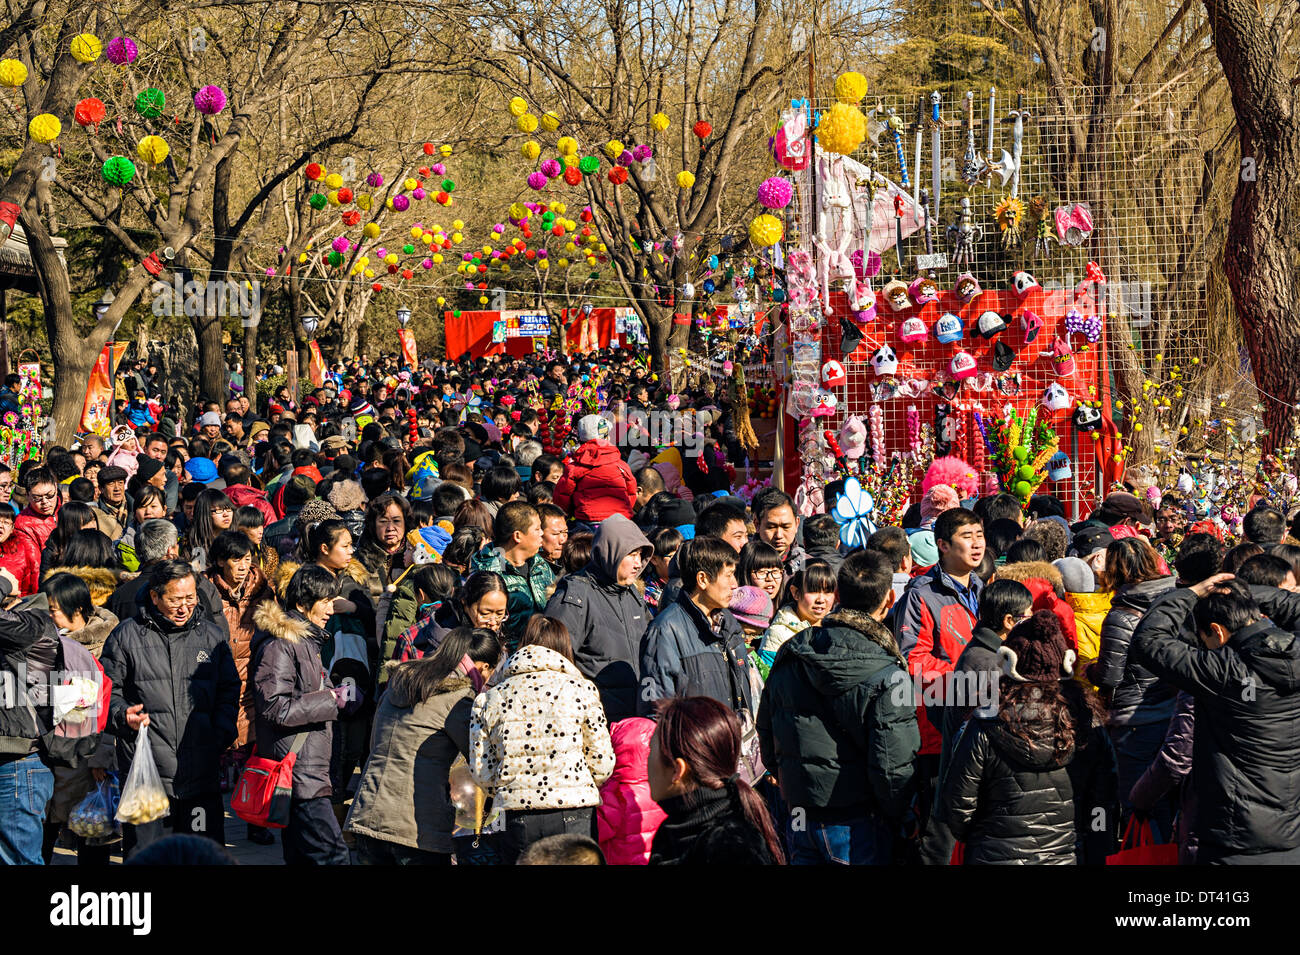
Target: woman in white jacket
x: 539, y: 744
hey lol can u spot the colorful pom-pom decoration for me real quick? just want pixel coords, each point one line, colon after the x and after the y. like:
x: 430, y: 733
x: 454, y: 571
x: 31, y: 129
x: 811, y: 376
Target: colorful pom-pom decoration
x: 618, y: 175
x: 152, y: 149
x: 374, y: 180
x: 333, y: 180
x: 418, y: 192
x: 401, y: 203
x: 573, y: 175
x: 659, y: 122
x: 89, y: 112
x: 314, y: 171
x: 149, y: 102
x: 345, y: 195
x: 210, y: 100
x: 613, y: 148
x: 842, y: 129
x: 341, y: 243
x: 589, y: 164
x: 44, y: 128
x: 371, y: 230
x: 531, y: 150
x: 766, y: 230
x: 121, y: 51
x: 850, y: 88
x: 550, y: 122
x: 527, y: 123
x: 12, y: 73
x: 685, y: 179
x: 550, y: 169
x: 702, y: 129
x: 86, y: 48
x: 775, y: 192
x: 117, y: 170
x: 317, y: 200
x: 537, y: 180
x: 567, y: 146
x: 518, y: 106
x: 642, y: 152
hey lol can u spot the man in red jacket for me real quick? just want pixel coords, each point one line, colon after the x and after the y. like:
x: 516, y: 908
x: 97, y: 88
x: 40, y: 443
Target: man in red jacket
x: 597, y: 482
x: 38, y: 518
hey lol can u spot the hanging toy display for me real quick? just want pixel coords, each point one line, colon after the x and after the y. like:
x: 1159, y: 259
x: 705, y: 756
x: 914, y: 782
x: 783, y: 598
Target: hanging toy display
x: 896, y: 130
x: 1010, y: 216
x: 972, y: 164
x: 1042, y: 227
x: 962, y: 236
x: 1018, y: 451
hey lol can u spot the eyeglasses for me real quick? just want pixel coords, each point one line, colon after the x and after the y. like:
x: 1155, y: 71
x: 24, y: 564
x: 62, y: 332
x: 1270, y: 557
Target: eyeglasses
x: 766, y: 574
x: 223, y: 510
x: 45, y: 497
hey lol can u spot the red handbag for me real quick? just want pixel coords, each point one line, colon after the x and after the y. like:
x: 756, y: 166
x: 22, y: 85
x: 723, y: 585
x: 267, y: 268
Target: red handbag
x: 1144, y: 850
x: 265, y: 788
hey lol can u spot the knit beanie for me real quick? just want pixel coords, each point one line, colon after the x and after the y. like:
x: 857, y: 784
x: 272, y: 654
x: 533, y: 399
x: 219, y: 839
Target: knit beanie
x: 593, y: 427
x: 147, y: 467
x: 1077, y: 575
x: 752, y: 606
x: 315, y: 511
x: 1036, y: 651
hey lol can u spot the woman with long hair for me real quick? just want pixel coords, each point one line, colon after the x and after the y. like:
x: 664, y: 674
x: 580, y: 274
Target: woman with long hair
x: 714, y: 816
x: 383, y: 541
x: 474, y: 513
x: 90, y: 555
x: 73, y: 517
x: 1140, y: 704
x: 213, y: 513
x: 251, y: 522
x: 1027, y: 783
x: 425, y: 591
x: 402, y: 813
x: 539, y: 743
x: 760, y: 566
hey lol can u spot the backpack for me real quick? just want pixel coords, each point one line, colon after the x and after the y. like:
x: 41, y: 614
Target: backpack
x: 79, y: 702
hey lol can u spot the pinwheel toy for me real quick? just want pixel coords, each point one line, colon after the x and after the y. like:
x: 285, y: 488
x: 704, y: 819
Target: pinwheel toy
x: 854, y: 513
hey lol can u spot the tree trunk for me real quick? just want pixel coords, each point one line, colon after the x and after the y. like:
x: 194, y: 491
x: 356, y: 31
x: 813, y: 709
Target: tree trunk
x: 1262, y: 259
x: 251, y: 325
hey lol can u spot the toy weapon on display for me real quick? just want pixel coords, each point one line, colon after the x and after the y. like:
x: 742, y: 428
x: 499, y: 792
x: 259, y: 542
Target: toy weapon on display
x: 973, y: 167
x: 875, y: 126
x: 929, y: 229
x: 896, y: 129
x: 898, y: 223
x: 1019, y: 115
x: 1006, y: 165
x: 936, y: 128
x: 962, y: 235
x: 918, y: 126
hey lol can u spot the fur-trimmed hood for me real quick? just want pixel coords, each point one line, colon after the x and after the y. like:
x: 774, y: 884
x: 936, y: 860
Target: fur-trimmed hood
x: 93, y: 635
x: 1030, y: 569
x: 272, y: 619
x: 287, y: 568
x: 101, y: 581
x: 869, y: 627
x: 397, y: 693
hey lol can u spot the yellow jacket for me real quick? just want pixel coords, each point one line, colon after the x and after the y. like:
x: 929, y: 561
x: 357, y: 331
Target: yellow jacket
x: 1089, y: 611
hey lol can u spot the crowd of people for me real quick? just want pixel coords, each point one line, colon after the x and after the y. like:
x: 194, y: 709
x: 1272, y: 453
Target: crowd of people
x: 491, y: 628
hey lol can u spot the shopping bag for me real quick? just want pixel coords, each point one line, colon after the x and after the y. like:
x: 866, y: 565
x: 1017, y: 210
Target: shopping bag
x: 1139, y: 848
x: 264, y: 792
x: 144, y: 799
x: 93, y: 818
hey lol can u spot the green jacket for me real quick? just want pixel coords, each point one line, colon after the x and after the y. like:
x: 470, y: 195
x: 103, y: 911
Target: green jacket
x: 528, y: 588
x: 402, y: 611
x: 837, y: 721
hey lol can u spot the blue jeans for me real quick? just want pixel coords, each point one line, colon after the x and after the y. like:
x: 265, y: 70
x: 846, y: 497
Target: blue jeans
x: 861, y: 841
x: 26, y: 785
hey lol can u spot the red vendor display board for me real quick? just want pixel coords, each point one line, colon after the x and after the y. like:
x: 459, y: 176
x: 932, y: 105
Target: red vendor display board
x: 469, y: 335
x: 1028, y: 376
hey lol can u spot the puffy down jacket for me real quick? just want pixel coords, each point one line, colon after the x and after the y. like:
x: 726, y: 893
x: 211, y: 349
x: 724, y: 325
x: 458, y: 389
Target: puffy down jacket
x: 597, y: 483
x: 628, y: 818
x: 1138, y: 697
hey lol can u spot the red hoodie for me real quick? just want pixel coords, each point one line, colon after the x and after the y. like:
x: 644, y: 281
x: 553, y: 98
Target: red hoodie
x: 597, y: 483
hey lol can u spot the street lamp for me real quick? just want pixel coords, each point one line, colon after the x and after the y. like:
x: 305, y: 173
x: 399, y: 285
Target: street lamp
x: 103, y: 303
x: 403, y: 316
x: 309, y: 323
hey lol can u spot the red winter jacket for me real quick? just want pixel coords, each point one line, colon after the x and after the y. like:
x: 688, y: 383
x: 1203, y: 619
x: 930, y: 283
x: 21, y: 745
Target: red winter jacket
x: 628, y: 818
x: 597, y: 483
x: 37, y: 526
x: 242, y: 495
x: 20, y: 556
x: 1044, y: 582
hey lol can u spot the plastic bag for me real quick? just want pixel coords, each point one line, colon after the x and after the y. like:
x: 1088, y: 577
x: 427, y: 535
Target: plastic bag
x: 143, y: 798
x: 93, y: 818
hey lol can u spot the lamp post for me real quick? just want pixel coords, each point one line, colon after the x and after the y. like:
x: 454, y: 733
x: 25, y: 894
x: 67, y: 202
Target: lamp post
x: 309, y: 324
x: 403, y: 316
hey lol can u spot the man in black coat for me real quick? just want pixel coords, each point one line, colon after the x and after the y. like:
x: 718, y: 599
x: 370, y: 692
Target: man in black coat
x: 173, y: 672
x: 157, y: 541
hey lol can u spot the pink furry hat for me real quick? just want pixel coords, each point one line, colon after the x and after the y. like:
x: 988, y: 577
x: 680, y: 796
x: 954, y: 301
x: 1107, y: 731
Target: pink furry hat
x: 954, y: 472
x: 938, y: 499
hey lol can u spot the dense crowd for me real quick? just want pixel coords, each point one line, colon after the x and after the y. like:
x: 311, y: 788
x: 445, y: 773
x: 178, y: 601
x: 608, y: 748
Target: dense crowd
x: 492, y: 625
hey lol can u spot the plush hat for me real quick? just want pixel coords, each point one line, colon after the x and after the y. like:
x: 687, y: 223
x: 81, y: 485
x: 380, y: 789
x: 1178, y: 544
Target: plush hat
x: 884, y: 361
x: 347, y: 496
x: 1022, y: 283
x: 833, y: 374
x: 938, y: 499
x: 1030, y: 326
x: 1076, y: 575
x: 990, y: 323
x: 593, y: 427
x: 925, y: 552
x: 752, y: 606
x: 1058, y: 467
x: 1062, y: 357
x: 1056, y: 398
x: 962, y: 365
x: 146, y: 467
x: 1003, y: 356
x: 209, y: 418
x: 1090, y: 540
x: 863, y: 302
x: 1036, y: 651
x: 895, y: 293
x: 966, y: 287
x: 948, y: 328
x: 912, y: 329
x: 203, y: 470
x: 315, y: 511
x: 923, y: 289
x: 1087, y: 418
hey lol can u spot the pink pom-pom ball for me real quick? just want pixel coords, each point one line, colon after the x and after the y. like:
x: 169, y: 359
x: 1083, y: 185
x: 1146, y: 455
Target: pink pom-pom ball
x: 341, y: 243
x: 775, y: 192
x: 210, y: 100
x: 537, y: 180
x: 952, y: 471
x: 642, y: 153
x: 418, y: 192
x: 401, y: 203
x: 439, y: 169
x: 121, y: 51
x: 551, y: 168
x: 426, y: 263
x: 498, y: 229
x: 374, y: 180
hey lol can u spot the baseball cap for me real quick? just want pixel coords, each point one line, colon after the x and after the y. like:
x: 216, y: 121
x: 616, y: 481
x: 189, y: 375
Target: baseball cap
x: 1089, y: 540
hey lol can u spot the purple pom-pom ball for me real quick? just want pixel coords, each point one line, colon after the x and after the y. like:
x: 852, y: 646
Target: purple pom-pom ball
x: 121, y: 51
x: 210, y: 100
x: 401, y: 203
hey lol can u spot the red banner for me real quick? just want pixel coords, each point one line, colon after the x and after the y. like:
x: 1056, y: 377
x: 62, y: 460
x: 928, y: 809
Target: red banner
x: 407, y: 338
x: 315, y: 365
x: 97, y: 408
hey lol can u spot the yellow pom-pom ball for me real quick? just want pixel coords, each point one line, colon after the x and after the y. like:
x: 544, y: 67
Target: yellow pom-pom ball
x: 446, y: 150
x: 531, y: 150
x: 441, y: 301
x: 427, y: 239
x: 409, y: 183
x: 334, y: 180
x: 370, y: 273
x: 1196, y: 361
x: 364, y: 202
x: 437, y: 258
x: 152, y: 149
x: 416, y: 232
x: 842, y: 129
x: 302, y: 257
x: 363, y: 261
x: 558, y: 208
x: 332, y: 197
x: 567, y: 145
x: 86, y: 48
x: 390, y: 258
x: 518, y: 210
x: 482, y: 300
x: 562, y: 263
x: 12, y: 73
x: 517, y: 107
x: 850, y: 88
x: 613, y: 148
x: 527, y: 123
x: 456, y: 238
x: 543, y: 264
x: 659, y: 122
x: 766, y: 230
x: 45, y: 128
x: 458, y: 225
x: 550, y: 122
x: 685, y: 179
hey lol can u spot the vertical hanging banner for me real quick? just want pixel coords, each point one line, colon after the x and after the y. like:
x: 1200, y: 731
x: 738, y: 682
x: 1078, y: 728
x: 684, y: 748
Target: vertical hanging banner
x: 407, y: 338
x: 96, y: 409
x: 315, y: 365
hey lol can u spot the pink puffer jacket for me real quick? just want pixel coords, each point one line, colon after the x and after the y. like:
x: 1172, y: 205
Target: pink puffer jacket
x: 628, y: 817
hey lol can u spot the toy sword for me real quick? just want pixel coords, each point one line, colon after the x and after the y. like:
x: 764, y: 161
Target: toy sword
x: 919, y: 125
x: 936, y: 126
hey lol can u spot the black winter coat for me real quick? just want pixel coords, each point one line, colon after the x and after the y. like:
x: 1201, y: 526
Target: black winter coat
x: 681, y: 655
x: 837, y: 720
x: 187, y: 680
x: 707, y: 827
x: 292, y: 694
x: 1246, y: 748
x: 1138, y: 697
x: 1015, y: 802
x: 29, y: 647
x: 132, y: 596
